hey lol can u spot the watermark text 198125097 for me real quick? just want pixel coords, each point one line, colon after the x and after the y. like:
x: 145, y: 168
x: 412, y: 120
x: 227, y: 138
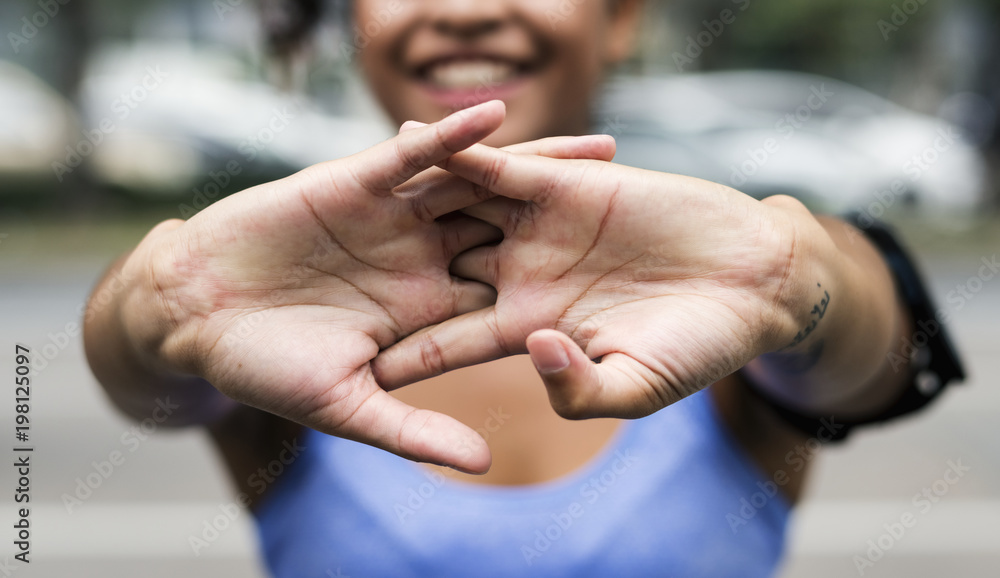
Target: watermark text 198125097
x: 22, y: 461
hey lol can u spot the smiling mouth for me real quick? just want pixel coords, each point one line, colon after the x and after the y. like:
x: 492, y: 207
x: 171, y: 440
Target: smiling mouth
x: 470, y: 73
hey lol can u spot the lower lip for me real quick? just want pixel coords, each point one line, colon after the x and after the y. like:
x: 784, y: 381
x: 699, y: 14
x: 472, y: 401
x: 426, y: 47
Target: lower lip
x: 462, y: 98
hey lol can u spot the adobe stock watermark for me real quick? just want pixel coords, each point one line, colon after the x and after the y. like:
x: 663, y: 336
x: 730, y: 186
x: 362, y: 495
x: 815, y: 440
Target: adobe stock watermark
x: 787, y: 126
x: 590, y: 493
x: 915, y: 168
x: 122, y: 108
x: 252, y: 317
x: 797, y: 458
x: 247, y: 326
x: 59, y: 340
x: 376, y: 24
x: 604, y: 310
x: 922, y: 502
x: 417, y: 497
x: 212, y: 528
x: 33, y: 23
x: 56, y: 343
x: 249, y: 149
x: 223, y: 7
x: 130, y: 441
x: 964, y: 292
x: 562, y: 12
x: 899, y: 16
x: 711, y: 31
x: 485, y: 90
x: 6, y: 569
x: 957, y: 298
x: 613, y: 127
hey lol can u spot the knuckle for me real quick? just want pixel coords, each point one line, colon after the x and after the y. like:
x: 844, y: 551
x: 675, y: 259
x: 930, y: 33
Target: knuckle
x: 494, y: 171
x: 493, y: 325
x: 431, y: 356
x: 419, y: 209
x: 522, y: 214
x: 411, y: 158
x: 482, y: 193
x: 409, y: 433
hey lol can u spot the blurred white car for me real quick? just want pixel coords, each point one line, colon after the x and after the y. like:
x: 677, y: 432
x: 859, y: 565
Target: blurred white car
x: 830, y: 143
x: 180, y: 115
x: 36, y: 124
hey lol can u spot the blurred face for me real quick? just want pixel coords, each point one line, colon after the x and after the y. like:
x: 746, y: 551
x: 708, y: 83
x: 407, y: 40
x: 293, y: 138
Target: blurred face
x: 544, y: 58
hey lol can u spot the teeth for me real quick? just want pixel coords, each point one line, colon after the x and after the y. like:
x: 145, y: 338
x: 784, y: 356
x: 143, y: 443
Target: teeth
x: 470, y: 73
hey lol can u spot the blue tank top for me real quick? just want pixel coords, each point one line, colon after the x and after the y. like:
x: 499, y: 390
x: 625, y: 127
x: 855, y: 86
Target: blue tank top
x: 671, y: 495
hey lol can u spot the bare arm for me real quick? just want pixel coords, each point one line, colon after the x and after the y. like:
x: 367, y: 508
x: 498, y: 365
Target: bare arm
x: 838, y: 363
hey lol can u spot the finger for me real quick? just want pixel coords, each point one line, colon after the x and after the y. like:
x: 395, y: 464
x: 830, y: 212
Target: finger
x: 393, y: 162
x: 458, y: 342
x: 473, y: 296
x: 596, y: 147
x: 463, y: 233
x: 499, y: 212
x: 479, y: 264
x: 415, y: 434
x: 410, y: 125
x: 599, y: 147
x: 521, y: 177
x: 435, y: 196
x: 618, y: 386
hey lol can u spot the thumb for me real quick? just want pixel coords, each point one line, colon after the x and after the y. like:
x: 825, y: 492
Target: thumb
x: 421, y: 435
x: 578, y: 388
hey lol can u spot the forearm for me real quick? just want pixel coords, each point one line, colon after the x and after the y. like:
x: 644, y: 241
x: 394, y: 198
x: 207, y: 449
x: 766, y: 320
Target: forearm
x: 134, y: 379
x: 850, y: 320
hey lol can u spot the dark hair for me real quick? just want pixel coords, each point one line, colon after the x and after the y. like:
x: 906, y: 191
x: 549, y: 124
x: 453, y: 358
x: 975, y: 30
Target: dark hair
x: 288, y: 24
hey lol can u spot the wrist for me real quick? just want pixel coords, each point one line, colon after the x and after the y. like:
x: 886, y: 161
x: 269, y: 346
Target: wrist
x: 813, y: 273
x: 157, y: 328
x: 840, y: 317
x: 119, y: 333
x: 143, y: 314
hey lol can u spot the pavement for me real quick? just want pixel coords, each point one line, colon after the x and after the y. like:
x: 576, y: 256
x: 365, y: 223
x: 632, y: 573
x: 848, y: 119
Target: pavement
x: 139, y: 495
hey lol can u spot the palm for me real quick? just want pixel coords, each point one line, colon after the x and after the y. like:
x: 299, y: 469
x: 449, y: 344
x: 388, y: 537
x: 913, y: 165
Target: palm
x: 642, y: 270
x: 296, y: 318
x: 282, y: 294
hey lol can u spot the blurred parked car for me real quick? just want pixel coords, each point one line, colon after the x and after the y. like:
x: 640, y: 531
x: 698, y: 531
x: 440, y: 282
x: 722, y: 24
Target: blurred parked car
x: 36, y: 123
x: 763, y: 132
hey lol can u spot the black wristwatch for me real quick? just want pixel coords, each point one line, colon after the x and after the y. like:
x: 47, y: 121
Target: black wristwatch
x: 933, y: 361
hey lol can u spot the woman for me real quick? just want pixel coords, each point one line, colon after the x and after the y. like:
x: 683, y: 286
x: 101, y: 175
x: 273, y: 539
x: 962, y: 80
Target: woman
x: 310, y: 297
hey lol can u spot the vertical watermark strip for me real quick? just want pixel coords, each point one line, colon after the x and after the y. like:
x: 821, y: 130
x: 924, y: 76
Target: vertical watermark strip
x: 22, y: 452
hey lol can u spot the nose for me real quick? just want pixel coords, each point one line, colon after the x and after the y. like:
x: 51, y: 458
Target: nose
x: 467, y: 19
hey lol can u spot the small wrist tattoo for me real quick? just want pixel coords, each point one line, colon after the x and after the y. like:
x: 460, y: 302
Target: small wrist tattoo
x: 817, y: 313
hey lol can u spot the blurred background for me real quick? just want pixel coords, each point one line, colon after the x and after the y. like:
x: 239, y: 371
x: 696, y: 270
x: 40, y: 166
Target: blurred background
x: 115, y: 115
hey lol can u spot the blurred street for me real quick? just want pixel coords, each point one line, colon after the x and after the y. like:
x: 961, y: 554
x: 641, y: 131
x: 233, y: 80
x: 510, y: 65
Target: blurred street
x: 140, y: 516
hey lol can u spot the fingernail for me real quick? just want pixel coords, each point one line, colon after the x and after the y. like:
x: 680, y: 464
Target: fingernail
x: 549, y: 357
